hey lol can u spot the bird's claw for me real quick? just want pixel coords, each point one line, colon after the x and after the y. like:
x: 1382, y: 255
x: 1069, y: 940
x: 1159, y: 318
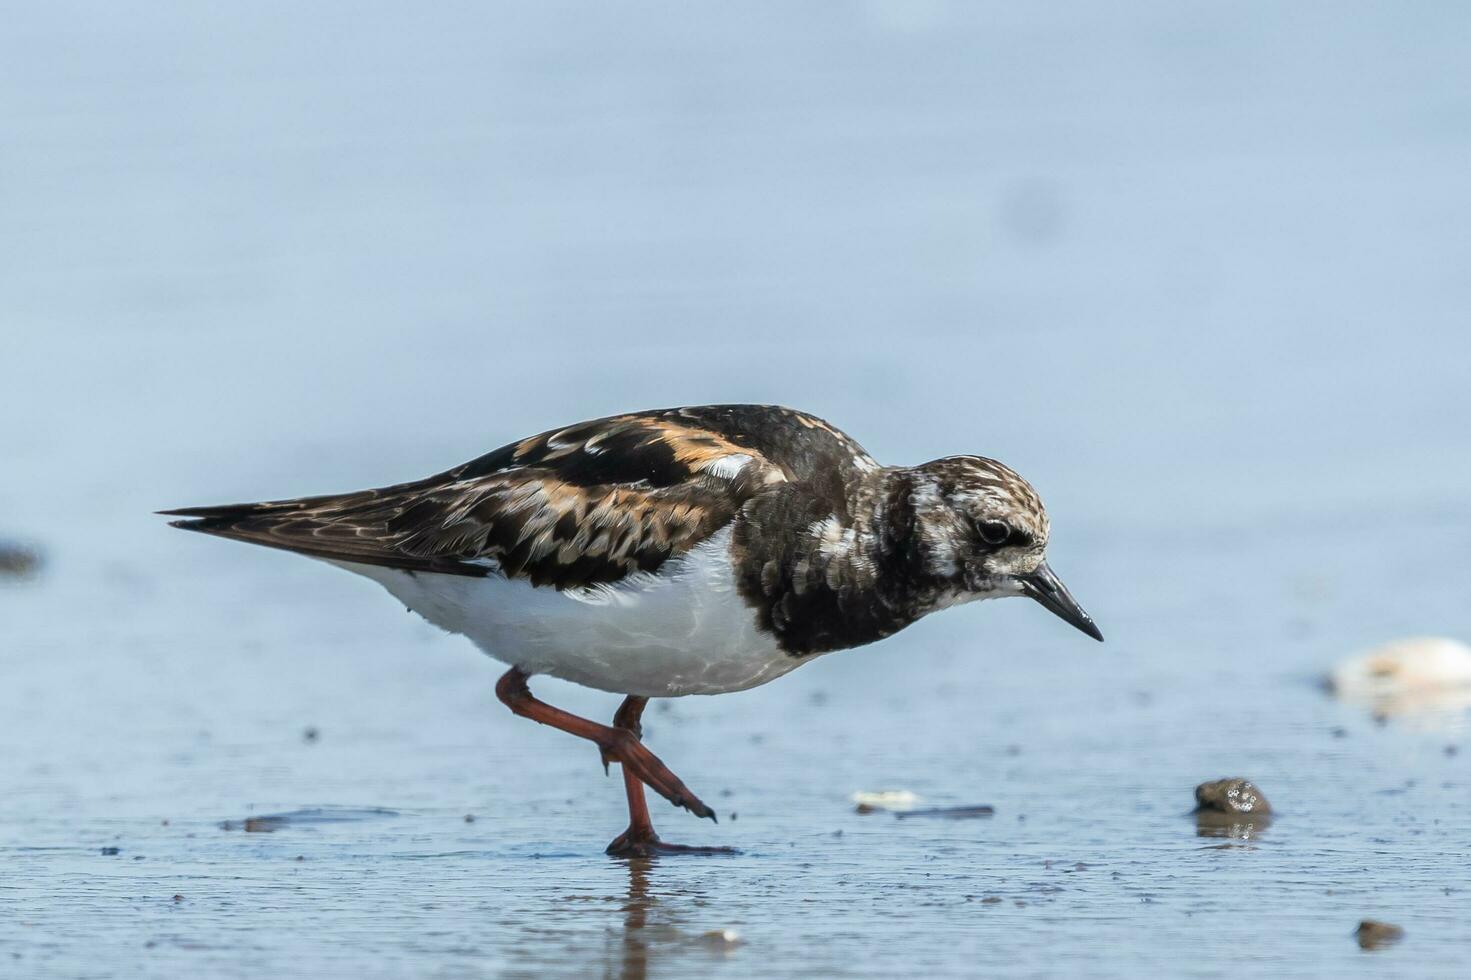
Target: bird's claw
x: 628, y: 751
x: 633, y: 844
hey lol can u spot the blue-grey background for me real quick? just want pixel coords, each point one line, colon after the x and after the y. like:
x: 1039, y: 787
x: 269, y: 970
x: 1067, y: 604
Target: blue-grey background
x: 1200, y: 271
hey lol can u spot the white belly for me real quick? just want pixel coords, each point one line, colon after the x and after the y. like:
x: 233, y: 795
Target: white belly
x: 685, y: 630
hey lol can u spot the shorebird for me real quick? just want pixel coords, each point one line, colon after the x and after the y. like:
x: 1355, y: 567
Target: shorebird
x: 680, y: 551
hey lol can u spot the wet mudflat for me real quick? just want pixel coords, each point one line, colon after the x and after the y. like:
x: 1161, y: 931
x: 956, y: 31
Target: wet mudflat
x: 1232, y: 298
x: 182, y: 747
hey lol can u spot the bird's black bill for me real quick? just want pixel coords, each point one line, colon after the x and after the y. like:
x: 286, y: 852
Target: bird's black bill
x: 1044, y: 586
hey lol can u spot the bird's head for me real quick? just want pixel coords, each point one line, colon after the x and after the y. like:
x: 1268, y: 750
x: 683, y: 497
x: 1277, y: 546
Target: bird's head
x: 983, y: 531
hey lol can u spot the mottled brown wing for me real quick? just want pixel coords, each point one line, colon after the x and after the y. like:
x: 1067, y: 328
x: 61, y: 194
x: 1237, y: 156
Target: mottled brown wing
x: 578, y: 506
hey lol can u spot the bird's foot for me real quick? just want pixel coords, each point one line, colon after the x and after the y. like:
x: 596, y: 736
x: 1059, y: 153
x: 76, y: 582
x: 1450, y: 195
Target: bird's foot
x: 625, y: 748
x: 636, y: 843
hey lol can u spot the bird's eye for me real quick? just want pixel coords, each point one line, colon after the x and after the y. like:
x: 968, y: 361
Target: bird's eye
x: 995, y: 532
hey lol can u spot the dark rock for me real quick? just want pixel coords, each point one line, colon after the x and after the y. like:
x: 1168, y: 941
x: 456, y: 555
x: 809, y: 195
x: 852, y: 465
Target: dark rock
x: 950, y: 812
x: 17, y: 561
x: 1231, y: 796
x: 1372, y: 934
x: 1231, y: 808
x: 110, y: 851
x: 305, y: 818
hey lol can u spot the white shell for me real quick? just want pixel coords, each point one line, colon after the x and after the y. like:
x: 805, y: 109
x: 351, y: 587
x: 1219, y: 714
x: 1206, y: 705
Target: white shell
x: 1425, y: 682
x: 1404, y: 666
x: 896, y: 800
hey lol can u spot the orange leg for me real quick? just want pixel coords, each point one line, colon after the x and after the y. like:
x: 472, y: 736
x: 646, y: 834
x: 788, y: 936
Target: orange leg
x: 617, y: 744
x: 639, y: 840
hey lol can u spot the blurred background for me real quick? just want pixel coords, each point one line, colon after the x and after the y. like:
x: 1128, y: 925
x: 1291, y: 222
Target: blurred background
x: 1198, y: 271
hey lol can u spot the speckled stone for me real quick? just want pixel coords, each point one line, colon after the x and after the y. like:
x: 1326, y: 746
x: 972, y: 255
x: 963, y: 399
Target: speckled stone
x: 1231, y: 796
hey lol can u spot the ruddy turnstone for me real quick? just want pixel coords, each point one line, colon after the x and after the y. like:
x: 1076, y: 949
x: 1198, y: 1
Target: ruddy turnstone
x: 681, y: 551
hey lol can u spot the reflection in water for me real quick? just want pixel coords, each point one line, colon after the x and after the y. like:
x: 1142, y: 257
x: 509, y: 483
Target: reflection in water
x: 1236, y: 826
x: 1446, y: 711
x: 651, y: 928
x: 635, y: 962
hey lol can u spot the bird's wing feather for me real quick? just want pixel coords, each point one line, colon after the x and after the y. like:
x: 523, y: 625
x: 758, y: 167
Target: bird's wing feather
x: 578, y: 506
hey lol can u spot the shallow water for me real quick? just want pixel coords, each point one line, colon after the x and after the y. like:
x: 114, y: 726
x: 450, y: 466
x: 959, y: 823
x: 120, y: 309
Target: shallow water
x: 1201, y: 279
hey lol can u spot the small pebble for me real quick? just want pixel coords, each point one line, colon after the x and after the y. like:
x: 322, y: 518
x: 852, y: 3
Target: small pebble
x: 17, y: 561
x: 1232, y: 796
x: 469, y: 818
x: 310, y: 734
x: 1372, y: 934
x: 110, y: 851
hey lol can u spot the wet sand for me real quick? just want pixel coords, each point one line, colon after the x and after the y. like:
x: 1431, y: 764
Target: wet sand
x: 1092, y: 860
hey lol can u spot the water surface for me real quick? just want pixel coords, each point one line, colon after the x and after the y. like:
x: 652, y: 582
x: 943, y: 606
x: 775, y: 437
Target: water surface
x: 1199, y: 275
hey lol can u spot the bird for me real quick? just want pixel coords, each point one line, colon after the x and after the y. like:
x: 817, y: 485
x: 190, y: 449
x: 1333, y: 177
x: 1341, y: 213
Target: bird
x: 673, y: 552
